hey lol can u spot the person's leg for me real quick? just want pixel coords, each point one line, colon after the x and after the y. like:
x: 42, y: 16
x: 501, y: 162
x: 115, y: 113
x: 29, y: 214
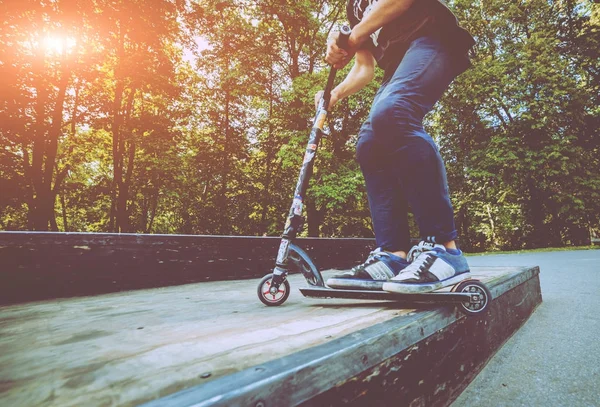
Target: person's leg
x: 397, y: 122
x: 413, y: 158
x: 387, y: 203
x: 396, y: 155
x: 389, y: 214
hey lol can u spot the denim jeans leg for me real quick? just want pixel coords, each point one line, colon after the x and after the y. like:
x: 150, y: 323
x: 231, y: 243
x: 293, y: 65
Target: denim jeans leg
x: 388, y: 206
x: 396, y: 142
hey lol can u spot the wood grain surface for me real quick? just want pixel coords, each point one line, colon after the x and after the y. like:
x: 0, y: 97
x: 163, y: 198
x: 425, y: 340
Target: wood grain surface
x: 126, y: 348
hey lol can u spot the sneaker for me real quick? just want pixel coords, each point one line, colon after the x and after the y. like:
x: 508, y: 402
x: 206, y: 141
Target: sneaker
x: 431, y: 270
x: 415, y: 251
x: 379, y: 268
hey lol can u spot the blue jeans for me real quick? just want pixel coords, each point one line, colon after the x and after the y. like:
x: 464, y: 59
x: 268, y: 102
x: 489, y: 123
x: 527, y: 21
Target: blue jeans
x: 400, y: 162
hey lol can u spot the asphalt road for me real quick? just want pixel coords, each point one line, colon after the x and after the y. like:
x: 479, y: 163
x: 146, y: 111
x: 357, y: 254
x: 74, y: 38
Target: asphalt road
x: 554, y: 359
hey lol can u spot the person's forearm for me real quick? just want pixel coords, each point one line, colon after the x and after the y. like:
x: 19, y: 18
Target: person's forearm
x: 382, y: 13
x: 360, y: 75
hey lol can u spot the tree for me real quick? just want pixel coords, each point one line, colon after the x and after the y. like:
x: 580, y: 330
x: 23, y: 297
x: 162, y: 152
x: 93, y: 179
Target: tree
x: 43, y: 44
x: 192, y: 117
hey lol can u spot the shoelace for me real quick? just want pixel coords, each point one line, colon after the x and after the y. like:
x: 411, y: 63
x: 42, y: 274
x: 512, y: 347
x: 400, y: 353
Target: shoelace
x: 413, y: 253
x: 373, y: 256
x: 420, y: 264
x: 419, y: 249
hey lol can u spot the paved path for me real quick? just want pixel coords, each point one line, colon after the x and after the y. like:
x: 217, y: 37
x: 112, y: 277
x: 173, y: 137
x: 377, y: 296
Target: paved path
x: 554, y: 359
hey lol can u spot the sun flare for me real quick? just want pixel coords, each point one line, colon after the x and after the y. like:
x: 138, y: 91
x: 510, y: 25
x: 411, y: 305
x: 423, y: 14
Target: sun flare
x: 58, y: 44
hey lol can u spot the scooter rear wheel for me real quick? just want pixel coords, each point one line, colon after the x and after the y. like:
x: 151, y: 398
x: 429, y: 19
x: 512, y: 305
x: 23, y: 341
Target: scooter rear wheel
x: 481, y: 297
x: 272, y: 297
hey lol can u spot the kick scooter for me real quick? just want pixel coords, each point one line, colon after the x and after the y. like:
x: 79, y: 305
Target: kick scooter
x: 274, y: 289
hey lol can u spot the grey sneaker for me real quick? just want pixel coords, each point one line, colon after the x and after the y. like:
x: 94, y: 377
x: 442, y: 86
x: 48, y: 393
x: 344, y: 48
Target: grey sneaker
x: 431, y: 270
x: 379, y: 267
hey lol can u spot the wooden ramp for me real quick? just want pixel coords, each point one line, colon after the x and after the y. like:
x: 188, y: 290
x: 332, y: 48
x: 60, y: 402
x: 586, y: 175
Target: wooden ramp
x: 214, y: 343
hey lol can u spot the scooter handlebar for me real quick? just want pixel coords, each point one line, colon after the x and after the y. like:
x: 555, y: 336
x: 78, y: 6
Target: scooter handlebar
x: 342, y: 40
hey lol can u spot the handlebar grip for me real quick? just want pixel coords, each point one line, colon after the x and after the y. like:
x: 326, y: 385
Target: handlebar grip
x: 342, y: 40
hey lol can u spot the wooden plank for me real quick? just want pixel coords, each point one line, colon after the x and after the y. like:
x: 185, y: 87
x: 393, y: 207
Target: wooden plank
x: 127, y: 348
x: 436, y: 353
x: 435, y: 370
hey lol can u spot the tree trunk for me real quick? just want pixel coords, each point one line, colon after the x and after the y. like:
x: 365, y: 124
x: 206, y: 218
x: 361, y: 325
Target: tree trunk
x: 492, y: 225
x: 53, y: 224
x: 122, y: 181
x: 39, y: 148
x: 153, y: 213
x: 63, y: 205
x: 268, y: 159
x: 29, y: 187
x: 49, y: 197
x: 462, y: 224
x: 535, y: 215
x: 117, y: 143
x: 122, y: 213
x: 45, y: 148
x: 117, y: 155
x: 314, y: 218
x: 224, y: 223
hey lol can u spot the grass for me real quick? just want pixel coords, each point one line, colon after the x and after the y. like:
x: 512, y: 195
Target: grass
x: 542, y: 250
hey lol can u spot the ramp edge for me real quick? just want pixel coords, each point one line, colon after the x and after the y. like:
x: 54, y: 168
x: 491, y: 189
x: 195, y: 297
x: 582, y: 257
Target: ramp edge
x: 382, y: 362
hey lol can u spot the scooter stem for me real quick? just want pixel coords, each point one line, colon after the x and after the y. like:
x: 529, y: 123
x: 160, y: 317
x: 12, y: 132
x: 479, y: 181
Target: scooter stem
x: 295, y: 219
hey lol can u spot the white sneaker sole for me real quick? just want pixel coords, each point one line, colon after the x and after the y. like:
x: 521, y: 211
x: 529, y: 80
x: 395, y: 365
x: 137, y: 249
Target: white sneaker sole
x: 412, y: 288
x: 355, y: 284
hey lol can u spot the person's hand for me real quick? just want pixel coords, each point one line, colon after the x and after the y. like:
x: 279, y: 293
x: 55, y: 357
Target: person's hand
x: 338, y: 57
x: 332, y: 100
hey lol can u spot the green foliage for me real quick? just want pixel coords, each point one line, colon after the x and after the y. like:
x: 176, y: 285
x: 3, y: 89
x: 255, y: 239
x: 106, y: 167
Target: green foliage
x: 192, y: 117
x: 515, y: 129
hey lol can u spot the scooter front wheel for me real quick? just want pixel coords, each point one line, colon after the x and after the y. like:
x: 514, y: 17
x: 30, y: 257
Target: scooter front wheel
x: 272, y: 296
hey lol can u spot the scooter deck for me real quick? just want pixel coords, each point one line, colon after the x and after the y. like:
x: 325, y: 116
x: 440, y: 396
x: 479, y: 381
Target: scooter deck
x: 428, y: 298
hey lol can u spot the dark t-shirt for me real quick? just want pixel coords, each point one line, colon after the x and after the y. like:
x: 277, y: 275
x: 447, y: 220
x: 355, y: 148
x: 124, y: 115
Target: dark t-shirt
x: 425, y: 17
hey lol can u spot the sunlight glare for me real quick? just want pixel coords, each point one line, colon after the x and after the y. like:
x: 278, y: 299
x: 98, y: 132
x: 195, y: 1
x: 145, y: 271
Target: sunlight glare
x: 57, y: 44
